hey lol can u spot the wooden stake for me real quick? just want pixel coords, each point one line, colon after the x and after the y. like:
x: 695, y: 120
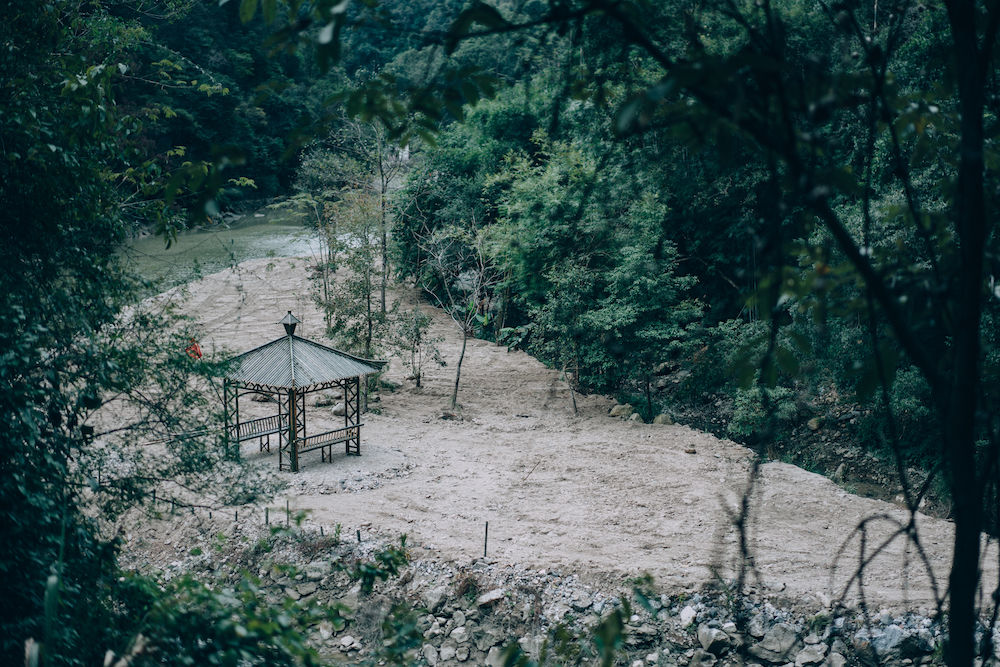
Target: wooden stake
x: 525, y: 478
x: 359, y: 536
x: 486, y: 538
x: 267, y: 518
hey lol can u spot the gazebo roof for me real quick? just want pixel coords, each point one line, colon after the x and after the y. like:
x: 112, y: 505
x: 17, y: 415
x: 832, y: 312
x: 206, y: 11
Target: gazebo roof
x: 291, y: 361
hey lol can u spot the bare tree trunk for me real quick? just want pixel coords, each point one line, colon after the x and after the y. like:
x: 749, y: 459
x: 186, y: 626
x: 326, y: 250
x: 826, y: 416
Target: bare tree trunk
x: 369, y: 322
x: 572, y: 394
x: 383, y: 220
x: 325, y: 258
x: 458, y: 368
x: 961, y: 409
x: 385, y: 259
x: 325, y: 253
x: 649, y: 399
x: 503, y: 310
x: 970, y: 223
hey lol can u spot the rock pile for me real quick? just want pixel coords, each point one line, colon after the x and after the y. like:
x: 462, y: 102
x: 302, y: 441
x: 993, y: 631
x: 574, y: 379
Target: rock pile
x: 470, y: 614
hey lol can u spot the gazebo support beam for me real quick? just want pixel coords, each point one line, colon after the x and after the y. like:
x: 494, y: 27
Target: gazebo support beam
x: 352, y: 414
x: 231, y: 418
x: 293, y: 430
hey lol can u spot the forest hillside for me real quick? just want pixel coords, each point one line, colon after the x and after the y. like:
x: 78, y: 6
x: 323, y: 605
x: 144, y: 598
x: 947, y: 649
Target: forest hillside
x: 771, y: 221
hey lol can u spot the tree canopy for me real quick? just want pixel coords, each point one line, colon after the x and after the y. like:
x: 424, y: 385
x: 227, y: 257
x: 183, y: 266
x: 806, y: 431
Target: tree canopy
x: 762, y: 209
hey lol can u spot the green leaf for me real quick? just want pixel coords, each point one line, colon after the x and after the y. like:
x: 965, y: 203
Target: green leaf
x: 477, y: 13
x: 867, y: 383
x: 787, y: 361
x: 800, y: 342
x: 326, y: 34
x: 269, y: 9
x: 628, y: 115
x: 745, y: 372
x: 247, y: 10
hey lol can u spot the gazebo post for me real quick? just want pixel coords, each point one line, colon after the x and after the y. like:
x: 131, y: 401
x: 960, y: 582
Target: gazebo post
x: 347, y: 402
x: 284, y: 446
x: 293, y: 430
x: 357, y: 413
x: 236, y: 411
x: 231, y: 419
x: 352, y: 414
x: 225, y: 416
x: 301, y: 412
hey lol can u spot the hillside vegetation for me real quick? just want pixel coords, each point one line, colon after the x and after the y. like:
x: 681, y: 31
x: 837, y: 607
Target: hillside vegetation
x: 766, y: 218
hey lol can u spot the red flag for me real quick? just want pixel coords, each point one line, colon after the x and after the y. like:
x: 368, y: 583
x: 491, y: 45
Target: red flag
x: 193, y: 350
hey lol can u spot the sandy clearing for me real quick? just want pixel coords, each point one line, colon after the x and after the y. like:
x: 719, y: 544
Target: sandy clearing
x: 588, y: 494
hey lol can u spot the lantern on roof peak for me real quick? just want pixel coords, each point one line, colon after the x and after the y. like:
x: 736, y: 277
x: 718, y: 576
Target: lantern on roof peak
x: 289, y: 321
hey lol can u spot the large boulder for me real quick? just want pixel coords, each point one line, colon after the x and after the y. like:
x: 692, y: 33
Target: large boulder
x: 487, y: 636
x: 434, y: 598
x: 812, y: 654
x: 447, y: 651
x: 835, y: 660
x: 779, y: 644
x: 889, y: 640
x: 490, y: 597
x: 920, y: 644
x: 702, y: 659
x: 495, y: 657
x: 713, y: 640
x: 621, y: 411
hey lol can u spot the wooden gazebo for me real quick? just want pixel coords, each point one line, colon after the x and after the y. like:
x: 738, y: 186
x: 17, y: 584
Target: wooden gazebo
x: 289, y: 368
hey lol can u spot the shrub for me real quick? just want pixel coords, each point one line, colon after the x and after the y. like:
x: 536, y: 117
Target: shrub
x: 750, y: 414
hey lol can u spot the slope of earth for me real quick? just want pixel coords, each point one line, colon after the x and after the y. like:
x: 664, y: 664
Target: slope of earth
x: 584, y: 493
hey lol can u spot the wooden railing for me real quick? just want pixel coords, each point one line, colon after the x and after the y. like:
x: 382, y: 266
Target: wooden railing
x: 320, y: 440
x: 256, y: 428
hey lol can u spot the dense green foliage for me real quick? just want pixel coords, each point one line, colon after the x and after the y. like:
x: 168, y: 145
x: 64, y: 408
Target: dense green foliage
x: 118, y: 116
x: 823, y: 171
x: 205, y: 94
x: 775, y: 209
x: 640, y: 237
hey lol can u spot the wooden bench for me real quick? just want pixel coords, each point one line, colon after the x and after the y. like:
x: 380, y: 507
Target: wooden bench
x: 349, y: 435
x: 262, y: 428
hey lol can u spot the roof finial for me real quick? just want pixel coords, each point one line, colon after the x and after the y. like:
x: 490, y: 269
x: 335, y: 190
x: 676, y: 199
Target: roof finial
x: 289, y: 321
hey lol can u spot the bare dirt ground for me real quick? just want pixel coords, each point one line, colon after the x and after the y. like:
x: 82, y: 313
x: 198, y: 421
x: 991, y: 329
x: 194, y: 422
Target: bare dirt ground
x: 588, y: 494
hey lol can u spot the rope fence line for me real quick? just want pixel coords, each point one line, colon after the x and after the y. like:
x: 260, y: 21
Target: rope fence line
x: 174, y: 507
x: 180, y: 436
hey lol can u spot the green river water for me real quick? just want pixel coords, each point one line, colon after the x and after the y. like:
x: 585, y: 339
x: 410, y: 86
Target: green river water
x: 199, y: 253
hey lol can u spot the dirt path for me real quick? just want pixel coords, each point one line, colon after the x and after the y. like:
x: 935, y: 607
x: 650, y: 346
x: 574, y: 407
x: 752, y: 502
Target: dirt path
x: 587, y: 493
